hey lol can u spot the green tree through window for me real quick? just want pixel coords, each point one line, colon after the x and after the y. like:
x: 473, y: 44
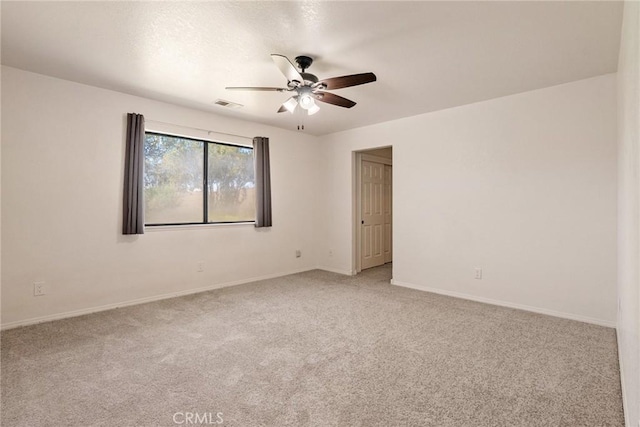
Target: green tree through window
x: 175, y: 180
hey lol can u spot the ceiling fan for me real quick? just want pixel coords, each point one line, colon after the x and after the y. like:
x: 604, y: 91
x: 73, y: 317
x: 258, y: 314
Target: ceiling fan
x: 308, y: 88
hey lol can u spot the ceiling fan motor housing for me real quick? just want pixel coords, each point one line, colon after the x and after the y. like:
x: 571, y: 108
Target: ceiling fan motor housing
x: 309, y: 78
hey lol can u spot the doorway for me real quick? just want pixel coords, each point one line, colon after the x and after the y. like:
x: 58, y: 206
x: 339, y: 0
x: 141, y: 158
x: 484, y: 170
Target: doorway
x: 374, y: 208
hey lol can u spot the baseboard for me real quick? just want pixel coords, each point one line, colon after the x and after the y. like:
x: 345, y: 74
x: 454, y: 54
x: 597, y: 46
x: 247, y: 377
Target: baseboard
x: 625, y: 408
x: 82, y: 312
x: 335, y: 270
x: 585, y: 319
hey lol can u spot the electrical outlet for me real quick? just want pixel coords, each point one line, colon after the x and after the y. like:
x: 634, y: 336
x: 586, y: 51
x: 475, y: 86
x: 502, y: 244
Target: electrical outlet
x: 478, y: 273
x: 39, y: 289
x: 200, y: 267
x: 298, y: 253
x: 330, y: 252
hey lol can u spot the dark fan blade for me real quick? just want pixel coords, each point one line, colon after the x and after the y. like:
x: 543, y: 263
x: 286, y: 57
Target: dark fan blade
x: 282, y: 109
x: 331, y: 98
x: 287, y: 68
x: 263, y: 89
x: 348, y: 81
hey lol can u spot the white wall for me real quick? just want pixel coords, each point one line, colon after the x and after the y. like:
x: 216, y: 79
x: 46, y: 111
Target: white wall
x: 0, y: 191
x: 629, y: 211
x: 62, y: 175
x: 522, y: 186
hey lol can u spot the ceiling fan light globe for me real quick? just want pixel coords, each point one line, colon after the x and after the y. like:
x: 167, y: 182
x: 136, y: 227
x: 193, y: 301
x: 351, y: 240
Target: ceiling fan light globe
x: 311, y: 111
x: 290, y: 105
x: 306, y: 101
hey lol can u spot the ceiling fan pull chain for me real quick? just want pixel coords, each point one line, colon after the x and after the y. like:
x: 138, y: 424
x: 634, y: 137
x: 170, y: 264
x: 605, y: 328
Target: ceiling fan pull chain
x: 300, y: 115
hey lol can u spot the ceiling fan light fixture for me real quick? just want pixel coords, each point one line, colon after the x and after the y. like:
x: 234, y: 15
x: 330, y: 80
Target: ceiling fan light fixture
x: 290, y: 105
x: 306, y: 101
x: 308, y: 88
x: 311, y: 111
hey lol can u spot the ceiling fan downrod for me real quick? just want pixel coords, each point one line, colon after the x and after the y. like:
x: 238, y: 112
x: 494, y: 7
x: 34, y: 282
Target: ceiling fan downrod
x: 304, y: 62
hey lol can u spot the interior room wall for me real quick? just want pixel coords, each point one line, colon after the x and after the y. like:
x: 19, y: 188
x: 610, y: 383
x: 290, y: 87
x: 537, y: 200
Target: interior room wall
x: 629, y: 211
x: 0, y: 191
x: 523, y: 187
x: 62, y: 177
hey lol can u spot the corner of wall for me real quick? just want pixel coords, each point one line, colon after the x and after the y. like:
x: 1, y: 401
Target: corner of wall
x: 628, y: 330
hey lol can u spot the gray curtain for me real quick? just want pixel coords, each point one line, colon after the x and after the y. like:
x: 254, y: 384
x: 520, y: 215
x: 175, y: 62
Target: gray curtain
x: 133, y: 218
x: 263, y: 181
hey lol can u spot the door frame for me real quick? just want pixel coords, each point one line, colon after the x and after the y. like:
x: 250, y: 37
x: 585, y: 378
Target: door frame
x: 359, y: 156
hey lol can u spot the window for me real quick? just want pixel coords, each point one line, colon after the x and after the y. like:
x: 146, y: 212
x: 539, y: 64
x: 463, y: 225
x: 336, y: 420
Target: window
x: 189, y: 181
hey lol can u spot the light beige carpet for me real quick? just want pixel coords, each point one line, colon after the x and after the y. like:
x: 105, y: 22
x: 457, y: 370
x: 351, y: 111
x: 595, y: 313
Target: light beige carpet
x: 312, y: 349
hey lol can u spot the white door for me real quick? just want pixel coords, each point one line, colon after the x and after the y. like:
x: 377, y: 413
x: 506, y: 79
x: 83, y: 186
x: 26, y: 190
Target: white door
x: 372, y: 240
x: 388, y: 176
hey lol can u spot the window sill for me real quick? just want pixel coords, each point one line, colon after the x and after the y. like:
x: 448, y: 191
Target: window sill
x: 196, y: 226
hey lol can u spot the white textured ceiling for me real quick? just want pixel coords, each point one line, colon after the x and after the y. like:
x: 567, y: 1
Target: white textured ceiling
x: 427, y: 55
